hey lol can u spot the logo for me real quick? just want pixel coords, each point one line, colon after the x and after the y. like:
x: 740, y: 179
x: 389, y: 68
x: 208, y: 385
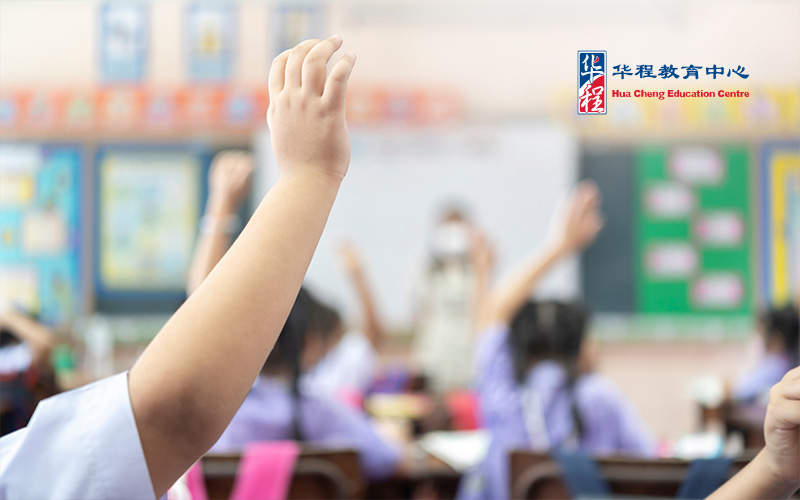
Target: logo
x: 592, y: 82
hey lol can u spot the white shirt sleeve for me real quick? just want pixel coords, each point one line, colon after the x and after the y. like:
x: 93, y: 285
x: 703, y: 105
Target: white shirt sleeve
x: 15, y: 358
x: 80, y: 444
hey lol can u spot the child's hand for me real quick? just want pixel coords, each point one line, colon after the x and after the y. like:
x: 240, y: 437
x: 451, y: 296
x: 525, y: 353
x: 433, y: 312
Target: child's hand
x: 782, y: 428
x: 306, y: 114
x: 229, y: 180
x: 577, y: 222
x: 350, y: 258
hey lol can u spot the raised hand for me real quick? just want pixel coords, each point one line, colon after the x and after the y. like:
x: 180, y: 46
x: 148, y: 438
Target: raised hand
x: 782, y: 428
x: 306, y: 114
x: 229, y: 180
x: 577, y: 222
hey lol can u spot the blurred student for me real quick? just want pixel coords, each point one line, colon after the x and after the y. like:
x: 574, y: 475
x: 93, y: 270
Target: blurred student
x: 349, y: 367
x: 533, y: 384
x: 277, y: 408
x: 779, y: 331
x: 445, y: 304
x: 133, y: 435
x: 775, y: 472
x: 350, y: 359
x: 26, y: 374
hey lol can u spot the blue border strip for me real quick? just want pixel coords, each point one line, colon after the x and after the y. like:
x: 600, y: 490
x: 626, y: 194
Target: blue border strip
x: 768, y: 150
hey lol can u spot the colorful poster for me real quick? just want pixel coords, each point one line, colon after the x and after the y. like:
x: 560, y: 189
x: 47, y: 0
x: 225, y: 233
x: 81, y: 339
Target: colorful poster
x: 148, y: 206
x: 123, y: 40
x: 296, y: 21
x: 210, y: 42
x: 40, y: 193
x: 780, y: 239
x: 692, y: 231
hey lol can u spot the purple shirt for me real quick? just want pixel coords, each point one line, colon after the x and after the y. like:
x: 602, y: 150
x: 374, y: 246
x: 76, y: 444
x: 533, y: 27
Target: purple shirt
x: 756, y: 383
x: 267, y: 412
x: 611, y: 424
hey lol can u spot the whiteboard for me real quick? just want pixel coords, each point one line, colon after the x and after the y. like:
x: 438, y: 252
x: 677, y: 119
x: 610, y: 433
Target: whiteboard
x: 510, y: 176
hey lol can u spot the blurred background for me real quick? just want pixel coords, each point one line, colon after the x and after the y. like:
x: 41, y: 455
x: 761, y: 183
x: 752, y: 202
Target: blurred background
x: 110, y: 113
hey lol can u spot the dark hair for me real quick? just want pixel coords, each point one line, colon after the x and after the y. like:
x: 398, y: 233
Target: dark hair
x: 308, y: 317
x: 784, y: 323
x: 550, y: 330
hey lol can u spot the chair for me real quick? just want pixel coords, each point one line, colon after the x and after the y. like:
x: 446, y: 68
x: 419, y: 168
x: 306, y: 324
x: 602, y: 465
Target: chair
x: 536, y: 476
x: 318, y: 475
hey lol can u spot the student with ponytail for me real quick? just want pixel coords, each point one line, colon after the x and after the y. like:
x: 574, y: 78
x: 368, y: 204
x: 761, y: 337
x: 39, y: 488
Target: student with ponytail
x: 277, y: 408
x: 534, y: 383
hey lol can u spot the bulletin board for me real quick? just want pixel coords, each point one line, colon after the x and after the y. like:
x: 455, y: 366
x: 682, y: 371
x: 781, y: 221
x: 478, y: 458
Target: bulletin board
x: 40, y: 230
x: 693, y: 230
x: 148, y: 203
x: 780, y: 221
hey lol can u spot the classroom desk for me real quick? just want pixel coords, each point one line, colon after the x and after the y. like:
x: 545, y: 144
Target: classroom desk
x: 423, y: 472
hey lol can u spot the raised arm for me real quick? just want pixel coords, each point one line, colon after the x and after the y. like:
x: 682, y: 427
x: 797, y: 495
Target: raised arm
x: 775, y: 472
x: 37, y: 337
x: 354, y: 266
x: 573, y: 226
x: 229, y: 183
x: 191, y: 380
x: 483, y: 263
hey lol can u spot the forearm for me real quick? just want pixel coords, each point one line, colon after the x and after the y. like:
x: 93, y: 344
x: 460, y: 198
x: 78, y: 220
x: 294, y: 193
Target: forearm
x: 515, y: 290
x: 373, y: 328
x: 226, y: 329
x: 38, y: 338
x: 211, y: 244
x: 755, y: 481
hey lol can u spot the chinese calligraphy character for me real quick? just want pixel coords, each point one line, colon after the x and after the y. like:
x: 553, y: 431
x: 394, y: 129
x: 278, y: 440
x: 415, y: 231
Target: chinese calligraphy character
x: 691, y: 70
x: 714, y: 70
x: 589, y: 68
x: 625, y: 71
x: 645, y: 71
x: 668, y: 72
x: 592, y: 97
x: 739, y: 71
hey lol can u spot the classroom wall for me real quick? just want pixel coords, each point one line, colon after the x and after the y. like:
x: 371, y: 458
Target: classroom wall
x: 522, y: 48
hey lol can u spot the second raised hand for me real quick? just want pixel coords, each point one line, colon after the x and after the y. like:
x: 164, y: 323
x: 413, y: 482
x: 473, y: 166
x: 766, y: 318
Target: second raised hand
x: 307, y: 107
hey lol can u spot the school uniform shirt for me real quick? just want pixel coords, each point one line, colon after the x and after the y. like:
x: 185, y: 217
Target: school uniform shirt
x: 538, y: 415
x: 267, y: 414
x: 80, y: 444
x: 15, y: 358
x: 755, y: 384
x: 349, y: 366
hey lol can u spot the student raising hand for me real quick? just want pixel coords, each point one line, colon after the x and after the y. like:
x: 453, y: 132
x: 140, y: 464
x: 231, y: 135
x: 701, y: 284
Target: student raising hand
x: 574, y: 225
x: 775, y: 471
x: 133, y: 435
x: 229, y: 184
x: 306, y: 111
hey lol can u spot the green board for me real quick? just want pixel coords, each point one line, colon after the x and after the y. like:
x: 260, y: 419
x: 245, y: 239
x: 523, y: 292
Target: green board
x: 693, y: 231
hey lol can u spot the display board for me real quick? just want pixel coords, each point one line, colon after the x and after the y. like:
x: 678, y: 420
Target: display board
x: 693, y: 227
x: 780, y: 221
x: 148, y: 203
x: 40, y: 229
x: 509, y: 176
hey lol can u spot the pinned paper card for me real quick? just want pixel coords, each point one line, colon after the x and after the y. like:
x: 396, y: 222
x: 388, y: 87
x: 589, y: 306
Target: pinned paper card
x: 669, y: 200
x: 671, y: 260
x: 211, y: 40
x: 19, y: 286
x: 697, y: 166
x: 718, y: 291
x: 44, y: 233
x: 720, y: 229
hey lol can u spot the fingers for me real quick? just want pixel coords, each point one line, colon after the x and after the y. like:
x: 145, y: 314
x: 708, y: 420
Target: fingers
x: 336, y: 84
x: 294, y: 65
x: 788, y: 387
x: 277, y: 74
x: 784, y: 414
x: 314, y: 65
